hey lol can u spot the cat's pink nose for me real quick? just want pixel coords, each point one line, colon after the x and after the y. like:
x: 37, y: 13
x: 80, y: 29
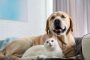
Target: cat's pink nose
x: 50, y: 44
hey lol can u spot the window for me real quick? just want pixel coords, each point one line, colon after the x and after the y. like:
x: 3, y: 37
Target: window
x: 12, y: 9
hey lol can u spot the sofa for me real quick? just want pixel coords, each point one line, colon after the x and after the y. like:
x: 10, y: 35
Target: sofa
x: 82, y: 47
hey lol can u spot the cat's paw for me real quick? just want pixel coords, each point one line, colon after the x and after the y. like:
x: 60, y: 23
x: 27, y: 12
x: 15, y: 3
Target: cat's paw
x: 41, y: 56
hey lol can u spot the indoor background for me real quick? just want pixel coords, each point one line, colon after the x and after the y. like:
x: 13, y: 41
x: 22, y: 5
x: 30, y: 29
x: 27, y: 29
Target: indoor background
x: 22, y: 18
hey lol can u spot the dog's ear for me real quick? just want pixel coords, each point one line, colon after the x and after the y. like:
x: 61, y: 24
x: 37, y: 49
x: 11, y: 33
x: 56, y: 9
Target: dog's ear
x: 71, y: 26
x: 47, y: 27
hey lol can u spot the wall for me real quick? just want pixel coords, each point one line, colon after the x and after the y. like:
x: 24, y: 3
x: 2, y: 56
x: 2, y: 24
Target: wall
x: 80, y: 13
x: 37, y: 12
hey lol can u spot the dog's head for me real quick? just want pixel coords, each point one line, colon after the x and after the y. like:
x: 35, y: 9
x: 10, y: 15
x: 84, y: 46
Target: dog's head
x: 59, y: 23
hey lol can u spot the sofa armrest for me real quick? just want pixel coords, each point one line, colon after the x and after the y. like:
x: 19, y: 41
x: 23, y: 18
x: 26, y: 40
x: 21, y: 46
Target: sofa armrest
x: 86, y: 46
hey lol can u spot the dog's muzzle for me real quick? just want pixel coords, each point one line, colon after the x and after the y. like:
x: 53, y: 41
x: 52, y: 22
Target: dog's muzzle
x: 57, y: 24
x: 57, y: 27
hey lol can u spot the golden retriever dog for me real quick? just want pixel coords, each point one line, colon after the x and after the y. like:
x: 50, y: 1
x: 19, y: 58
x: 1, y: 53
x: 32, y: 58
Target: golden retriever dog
x: 58, y: 24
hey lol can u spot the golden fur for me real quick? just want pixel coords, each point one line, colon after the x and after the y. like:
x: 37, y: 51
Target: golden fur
x: 65, y: 37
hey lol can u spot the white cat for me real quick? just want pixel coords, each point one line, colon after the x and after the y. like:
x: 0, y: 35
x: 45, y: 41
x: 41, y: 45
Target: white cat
x: 50, y: 49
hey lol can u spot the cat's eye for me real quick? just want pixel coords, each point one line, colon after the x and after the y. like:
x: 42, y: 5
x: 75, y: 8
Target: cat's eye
x: 51, y: 40
x: 47, y: 42
x: 62, y: 16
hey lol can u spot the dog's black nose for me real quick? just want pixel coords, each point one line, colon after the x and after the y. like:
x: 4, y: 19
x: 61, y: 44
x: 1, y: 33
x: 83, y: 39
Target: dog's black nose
x: 57, y: 24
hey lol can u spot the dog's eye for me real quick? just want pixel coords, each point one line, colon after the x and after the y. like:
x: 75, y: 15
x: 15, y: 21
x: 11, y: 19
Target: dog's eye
x: 62, y: 16
x: 51, y: 40
x: 52, y: 17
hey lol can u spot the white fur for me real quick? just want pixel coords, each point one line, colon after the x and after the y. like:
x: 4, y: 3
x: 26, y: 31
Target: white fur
x: 44, y: 51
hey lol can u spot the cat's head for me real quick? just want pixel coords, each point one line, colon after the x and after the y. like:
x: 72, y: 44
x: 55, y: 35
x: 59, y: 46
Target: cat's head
x: 51, y: 43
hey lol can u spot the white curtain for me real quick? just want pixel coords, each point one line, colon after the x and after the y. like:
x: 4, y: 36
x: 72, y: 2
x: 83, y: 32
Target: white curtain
x: 79, y: 11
